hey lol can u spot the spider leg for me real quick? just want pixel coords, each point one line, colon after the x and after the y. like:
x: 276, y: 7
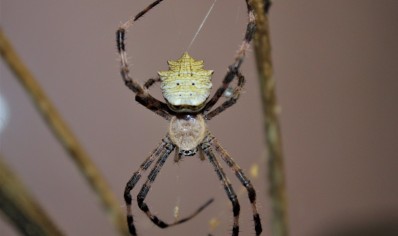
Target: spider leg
x: 177, y: 156
x: 141, y: 13
x: 231, y: 74
x: 205, y: 146
x: 234, y: 97
x: 233, y: 69
x: 243, y: 179
x: 142, y: 95
x: 151, y: 82
x: 146, y: 187
x: 136, y: 177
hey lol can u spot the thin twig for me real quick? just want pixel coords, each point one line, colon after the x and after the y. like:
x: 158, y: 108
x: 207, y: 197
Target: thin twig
x: 21, y: 208
x: 63, y: 134
x: 271, y: 109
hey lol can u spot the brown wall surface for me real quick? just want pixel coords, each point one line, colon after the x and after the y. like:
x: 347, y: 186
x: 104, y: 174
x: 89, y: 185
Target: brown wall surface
x: 336, y: 71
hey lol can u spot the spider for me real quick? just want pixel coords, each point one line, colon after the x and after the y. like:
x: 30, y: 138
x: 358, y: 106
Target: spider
x: 186, y: 89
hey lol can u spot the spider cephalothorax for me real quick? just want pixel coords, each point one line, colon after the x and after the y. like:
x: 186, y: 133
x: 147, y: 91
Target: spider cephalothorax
x: 186, y: 85
x: 187, y: 132
x: 186, y: 88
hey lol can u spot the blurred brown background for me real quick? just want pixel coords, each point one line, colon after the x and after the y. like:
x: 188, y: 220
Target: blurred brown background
x: 336, y: 65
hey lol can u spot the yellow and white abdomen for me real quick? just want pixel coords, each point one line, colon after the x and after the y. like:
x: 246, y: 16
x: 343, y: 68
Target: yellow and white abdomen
x: 186, y: 83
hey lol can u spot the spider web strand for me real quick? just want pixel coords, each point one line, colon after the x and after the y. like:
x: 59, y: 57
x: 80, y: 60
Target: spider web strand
x: 201, y: 25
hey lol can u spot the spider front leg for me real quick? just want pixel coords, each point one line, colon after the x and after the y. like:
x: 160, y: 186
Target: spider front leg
x: 243, y: 179
x: 227, y: 186
x: 146, y: 187
x: 136, y: 177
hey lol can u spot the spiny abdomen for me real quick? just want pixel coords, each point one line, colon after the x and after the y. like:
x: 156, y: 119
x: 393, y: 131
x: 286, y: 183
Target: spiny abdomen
x: 186, y: 83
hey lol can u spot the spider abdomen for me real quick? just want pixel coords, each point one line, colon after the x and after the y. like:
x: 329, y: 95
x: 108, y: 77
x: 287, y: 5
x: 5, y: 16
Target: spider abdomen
x: 188, y: 131
x: 186, y: 83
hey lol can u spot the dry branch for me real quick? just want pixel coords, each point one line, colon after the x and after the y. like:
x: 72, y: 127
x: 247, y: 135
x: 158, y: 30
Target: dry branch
x: 21, y: 208
x: 63, y: 133
x: 276, y: 175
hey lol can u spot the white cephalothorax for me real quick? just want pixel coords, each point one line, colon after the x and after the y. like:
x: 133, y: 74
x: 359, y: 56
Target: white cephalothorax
x: 188, y: 132
x: 186, y: 83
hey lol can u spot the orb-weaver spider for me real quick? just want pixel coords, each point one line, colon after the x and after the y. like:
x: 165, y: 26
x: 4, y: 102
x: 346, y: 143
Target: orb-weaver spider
x: 186, y: 88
